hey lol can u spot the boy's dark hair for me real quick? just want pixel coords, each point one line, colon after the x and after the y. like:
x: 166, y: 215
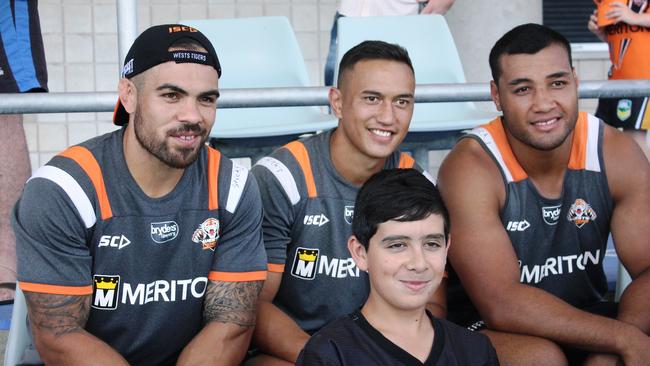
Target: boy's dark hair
x: 527, y: 39
x: 395, y: 194
x: 372, y: 50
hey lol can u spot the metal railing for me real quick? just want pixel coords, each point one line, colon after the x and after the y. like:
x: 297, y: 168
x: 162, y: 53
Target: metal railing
x: 285, y: 97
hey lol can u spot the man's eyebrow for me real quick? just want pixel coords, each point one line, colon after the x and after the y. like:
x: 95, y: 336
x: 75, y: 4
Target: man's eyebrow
x: 213, y: 92
x: 559, y: 74
x: 519, y: 81
x: 435, y: 236
x: 172, y: 87
x: 378, y: 94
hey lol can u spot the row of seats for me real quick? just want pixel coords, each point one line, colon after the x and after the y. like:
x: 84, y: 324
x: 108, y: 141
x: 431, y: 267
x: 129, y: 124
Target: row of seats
x: 264, y: 53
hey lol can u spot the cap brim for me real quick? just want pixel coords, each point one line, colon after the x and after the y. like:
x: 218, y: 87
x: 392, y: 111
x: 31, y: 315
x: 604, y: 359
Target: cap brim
x: 120, y: 116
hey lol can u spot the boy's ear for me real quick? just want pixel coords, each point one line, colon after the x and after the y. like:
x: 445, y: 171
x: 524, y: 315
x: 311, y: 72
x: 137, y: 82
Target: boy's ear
x: 358, y: 252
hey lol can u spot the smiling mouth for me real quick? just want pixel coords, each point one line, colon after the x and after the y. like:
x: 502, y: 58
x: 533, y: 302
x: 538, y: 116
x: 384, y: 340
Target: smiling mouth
x: 415, y: 285
x: 546, y: 122
x: 381, y: 133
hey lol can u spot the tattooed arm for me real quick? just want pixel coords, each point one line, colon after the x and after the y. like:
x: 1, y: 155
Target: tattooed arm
x: 229, y: 312
x: 57, y: 323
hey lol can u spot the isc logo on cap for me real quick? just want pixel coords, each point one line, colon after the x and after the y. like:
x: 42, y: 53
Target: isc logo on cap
x: 105, y: 292
x: 304, y: 263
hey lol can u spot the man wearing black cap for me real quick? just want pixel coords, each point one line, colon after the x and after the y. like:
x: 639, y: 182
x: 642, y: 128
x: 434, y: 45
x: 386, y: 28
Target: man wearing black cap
x: 144, y: 245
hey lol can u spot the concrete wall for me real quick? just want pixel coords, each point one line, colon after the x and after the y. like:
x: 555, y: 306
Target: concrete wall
x: 81, y: 48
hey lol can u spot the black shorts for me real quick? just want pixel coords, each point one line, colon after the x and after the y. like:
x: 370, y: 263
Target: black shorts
x: 625, y: 113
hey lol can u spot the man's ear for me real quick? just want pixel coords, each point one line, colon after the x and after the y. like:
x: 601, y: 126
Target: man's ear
x: 128, y: 94
x: 336, y: 102
x: 494, y: 92
x: 358, y: 252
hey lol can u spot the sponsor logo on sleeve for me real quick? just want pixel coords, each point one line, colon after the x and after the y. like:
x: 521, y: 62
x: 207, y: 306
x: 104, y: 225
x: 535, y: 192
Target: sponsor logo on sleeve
x: 304, y: 263
x: 551, y: 214
x: 114, y: 241
x: 581, y: 213
x: 207, y: 234
x: 105, y: 292
x: 624, y: 109
x: 348, y: 213
x: 164, y: 231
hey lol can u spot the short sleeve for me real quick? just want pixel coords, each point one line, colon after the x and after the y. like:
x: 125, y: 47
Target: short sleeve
x: 278, y: 209
x: 51, y: 235
x: 240, y: 254
x: 319, y: 351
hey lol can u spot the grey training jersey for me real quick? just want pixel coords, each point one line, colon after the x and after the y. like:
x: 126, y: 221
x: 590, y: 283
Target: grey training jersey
x: 560, y: 242
x: 84, y: 227
x: 308, y: 209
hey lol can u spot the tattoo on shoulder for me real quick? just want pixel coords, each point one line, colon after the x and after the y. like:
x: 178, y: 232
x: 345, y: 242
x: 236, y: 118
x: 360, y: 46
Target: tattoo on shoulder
x: 232, y: 302
x: 58, y: 314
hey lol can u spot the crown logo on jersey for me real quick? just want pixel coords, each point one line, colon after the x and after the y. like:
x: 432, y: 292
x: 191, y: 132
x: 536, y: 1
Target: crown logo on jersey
x: 106, y: 283
x: 105, y: 292
x: 581, y: 213
x: 307, y: 255
x: 207, y: 234
x: 304, y: 263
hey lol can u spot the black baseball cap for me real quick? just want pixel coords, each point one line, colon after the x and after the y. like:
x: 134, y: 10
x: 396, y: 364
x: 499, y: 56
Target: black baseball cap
x: 151, y: 48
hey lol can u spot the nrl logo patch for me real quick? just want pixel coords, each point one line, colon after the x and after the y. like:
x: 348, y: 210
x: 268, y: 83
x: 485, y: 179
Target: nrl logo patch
x: 304, y: 263
x: 348, y: 213
x: 164, y: 231
x: 207, y: 234
x: 551, y: 214
x: 624, y: 109
x: 581, y: 213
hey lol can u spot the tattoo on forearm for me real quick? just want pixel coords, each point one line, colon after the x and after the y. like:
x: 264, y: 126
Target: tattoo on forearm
x: 232, y: 302
x: 58, y: 314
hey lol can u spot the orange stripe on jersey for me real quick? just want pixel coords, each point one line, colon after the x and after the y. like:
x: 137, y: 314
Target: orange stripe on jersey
x: 88, y: 163
x: 578, y: 158
x: 56, y: 290
x: 214, y: 157
x: 499, y: 135
x: 299, y: 152
x: 237, y: 276
x: 406, y: 161
x: 276, y: 268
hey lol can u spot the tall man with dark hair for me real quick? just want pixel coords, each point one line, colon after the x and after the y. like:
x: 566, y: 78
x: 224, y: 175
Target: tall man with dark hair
x: 400, y: 239
x: 533, y: 196
x: 308, y: 189
x: 144, y: 246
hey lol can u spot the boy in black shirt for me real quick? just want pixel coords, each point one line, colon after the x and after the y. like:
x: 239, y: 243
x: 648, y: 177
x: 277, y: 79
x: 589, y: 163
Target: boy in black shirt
x: 400, y: 237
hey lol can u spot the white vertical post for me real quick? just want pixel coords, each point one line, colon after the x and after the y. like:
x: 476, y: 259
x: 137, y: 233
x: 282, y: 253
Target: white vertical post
x: 127, y: 27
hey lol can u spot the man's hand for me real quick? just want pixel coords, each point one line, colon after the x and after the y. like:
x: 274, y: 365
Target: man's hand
x: 619, y: 12
x: 436, y: 6
x: 592, y: 25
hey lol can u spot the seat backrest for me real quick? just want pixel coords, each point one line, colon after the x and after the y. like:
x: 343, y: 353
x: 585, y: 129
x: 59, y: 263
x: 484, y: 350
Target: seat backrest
x: 260, y: 52
x: 427, y: 38
x: 255, y: 52
x: 435, y: 59
x: 19, y: 348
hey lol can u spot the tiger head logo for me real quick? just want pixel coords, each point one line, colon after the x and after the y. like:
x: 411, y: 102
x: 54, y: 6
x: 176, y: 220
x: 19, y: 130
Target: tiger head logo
x: 207, y: 234
x: 581, y: 213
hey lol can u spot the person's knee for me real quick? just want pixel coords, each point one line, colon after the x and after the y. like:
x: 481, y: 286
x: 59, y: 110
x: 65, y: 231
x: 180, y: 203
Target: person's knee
x: 513, y: 349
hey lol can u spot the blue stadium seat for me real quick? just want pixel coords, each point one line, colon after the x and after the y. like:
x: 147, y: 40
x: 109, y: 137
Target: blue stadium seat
x: 19, y: 349
x: 260, y: 53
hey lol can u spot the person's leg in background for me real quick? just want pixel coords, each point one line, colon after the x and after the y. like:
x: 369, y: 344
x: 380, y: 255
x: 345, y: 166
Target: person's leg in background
x: 331, y: 55
x: 15, y: 168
